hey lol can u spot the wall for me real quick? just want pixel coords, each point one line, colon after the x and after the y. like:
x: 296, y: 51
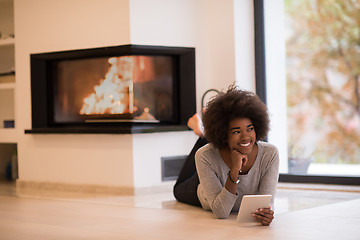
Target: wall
x: 244, y: 44
x: 207, y: 25
x: 51, y: 25
x: 117, y: 160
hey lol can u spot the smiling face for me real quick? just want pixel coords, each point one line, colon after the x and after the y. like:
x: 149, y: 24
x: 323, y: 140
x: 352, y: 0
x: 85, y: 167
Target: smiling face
x: 241, y: 135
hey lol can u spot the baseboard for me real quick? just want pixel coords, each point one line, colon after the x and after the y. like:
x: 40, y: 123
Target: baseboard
x: 69, y: 187
x: 28, y: 186
x: 164, y: 187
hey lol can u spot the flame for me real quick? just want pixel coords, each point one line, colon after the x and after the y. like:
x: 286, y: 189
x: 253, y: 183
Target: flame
x: 114, y: 94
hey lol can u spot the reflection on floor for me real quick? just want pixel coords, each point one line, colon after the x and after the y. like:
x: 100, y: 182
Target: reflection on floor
x: 289, y: 197
x: 294, y: 197
x: 302, y: 212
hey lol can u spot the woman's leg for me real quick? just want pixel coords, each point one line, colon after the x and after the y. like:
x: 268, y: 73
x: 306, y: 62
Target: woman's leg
x: 185, y: 189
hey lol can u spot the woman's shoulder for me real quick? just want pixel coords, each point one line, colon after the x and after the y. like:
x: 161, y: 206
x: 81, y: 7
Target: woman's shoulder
x: 206, y: 152
x: 267, y: 147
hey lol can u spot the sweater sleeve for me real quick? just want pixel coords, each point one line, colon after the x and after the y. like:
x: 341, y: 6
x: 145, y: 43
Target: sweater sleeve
x: 270, y: 175
x: 211, y: 191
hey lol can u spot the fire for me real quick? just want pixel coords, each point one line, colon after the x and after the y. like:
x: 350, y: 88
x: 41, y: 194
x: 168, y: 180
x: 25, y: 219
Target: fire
x: 114, y: 94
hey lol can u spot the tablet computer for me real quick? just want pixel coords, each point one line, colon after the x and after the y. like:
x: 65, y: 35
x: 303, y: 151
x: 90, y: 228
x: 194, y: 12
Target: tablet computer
x: 249, y: 204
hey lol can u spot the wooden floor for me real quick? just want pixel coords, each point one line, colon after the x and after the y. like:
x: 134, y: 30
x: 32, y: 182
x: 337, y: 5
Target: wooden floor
x: 308, y: 214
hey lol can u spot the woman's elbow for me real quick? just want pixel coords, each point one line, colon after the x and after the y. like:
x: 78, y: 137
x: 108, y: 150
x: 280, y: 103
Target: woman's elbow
x: 221, y: 214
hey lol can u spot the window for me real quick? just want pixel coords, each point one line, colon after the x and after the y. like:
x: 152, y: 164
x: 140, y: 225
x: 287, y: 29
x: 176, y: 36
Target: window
x: 312, y: 83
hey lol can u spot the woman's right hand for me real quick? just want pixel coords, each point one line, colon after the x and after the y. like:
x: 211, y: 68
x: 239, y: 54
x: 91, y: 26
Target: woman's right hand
x: 238, y: 160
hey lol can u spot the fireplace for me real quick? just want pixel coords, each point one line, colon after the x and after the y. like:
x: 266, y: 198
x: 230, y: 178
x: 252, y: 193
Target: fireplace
x: 118, y: 89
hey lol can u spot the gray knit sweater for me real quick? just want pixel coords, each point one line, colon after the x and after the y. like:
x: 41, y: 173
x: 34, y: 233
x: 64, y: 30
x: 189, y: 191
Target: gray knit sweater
x: 262, y: 178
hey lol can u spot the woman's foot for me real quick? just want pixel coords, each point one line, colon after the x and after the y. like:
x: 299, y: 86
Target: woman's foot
x: 196, y: 125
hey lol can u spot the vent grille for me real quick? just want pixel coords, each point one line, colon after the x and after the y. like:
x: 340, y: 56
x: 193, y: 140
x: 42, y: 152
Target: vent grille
x: 171, y: 166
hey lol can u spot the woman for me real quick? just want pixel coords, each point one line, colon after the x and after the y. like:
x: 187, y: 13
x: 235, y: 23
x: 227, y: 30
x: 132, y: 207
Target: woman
x: 235, y: 162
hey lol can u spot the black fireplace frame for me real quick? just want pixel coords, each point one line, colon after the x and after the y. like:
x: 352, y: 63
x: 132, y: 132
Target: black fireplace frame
x: 42, y: 90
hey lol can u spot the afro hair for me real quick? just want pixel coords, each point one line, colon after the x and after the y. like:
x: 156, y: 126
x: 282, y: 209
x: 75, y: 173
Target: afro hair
x: 226, y: 106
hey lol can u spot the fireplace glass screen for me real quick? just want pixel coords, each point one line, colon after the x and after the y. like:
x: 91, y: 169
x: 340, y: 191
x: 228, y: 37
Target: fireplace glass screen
x: 136, y: 88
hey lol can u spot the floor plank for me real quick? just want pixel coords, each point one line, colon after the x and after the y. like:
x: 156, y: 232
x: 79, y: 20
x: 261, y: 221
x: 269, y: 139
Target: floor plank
x: 158, y: 216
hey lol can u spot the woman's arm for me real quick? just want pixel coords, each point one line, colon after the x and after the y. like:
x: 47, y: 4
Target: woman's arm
x: 218, y: 198
x: 269, y: 173
x: 268, y: 184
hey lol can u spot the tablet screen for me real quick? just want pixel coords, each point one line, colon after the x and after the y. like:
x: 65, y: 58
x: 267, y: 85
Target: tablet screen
x: 249, y: 204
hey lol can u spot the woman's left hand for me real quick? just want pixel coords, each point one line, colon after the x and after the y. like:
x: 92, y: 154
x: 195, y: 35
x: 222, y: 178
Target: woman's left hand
x: 264, y: 216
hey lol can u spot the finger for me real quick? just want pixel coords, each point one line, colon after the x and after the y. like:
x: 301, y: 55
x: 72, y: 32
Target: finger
x: 245, y: 160
x: 236, y: 154
x: 235, y: 150
x: 265, y: 211
x: 265, y: 215
x: 233, y: 147
x: 264, y: 220
x: 264, y: 223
